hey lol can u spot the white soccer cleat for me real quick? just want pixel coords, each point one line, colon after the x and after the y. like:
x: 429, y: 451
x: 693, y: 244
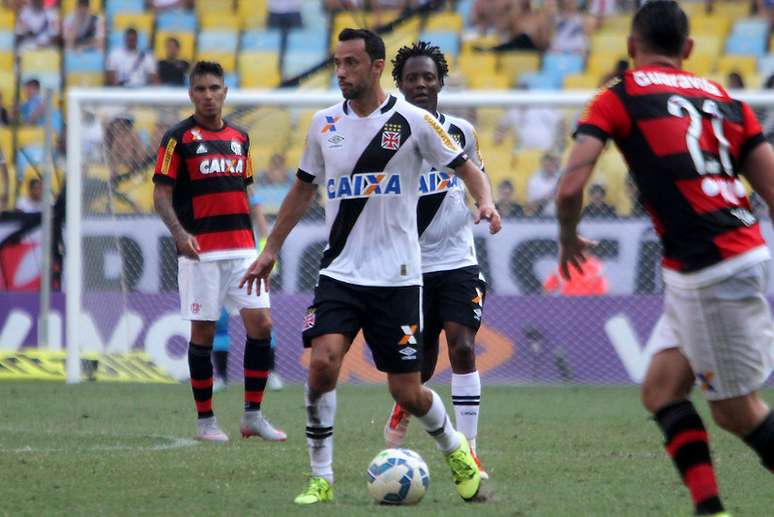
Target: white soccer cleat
x: 219, y: 385
x: 397, y: 427
x: 275, y: 382
x: 254, y: 424
x: 207, y: 430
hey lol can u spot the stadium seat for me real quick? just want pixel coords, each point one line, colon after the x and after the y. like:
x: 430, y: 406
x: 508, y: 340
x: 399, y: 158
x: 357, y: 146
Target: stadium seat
x: 600, y: 63
x: 489, y: 82
x: 306, y: 40
x: 43, y: 61
x: 226, y: 59
x: 214, y: 6
x: 745, y: 65
x: 561, y: 64
x: 68, y: 6
x: 142, y: 22
x: 231, y: 80
x: 444, y: 21
x: 750, y: 27
x: 7, y: 20
x: 513, y: 64
x: 7, y: 84
x: 766, y: 65
x: 177, y: 21
x: 708, y: 45
x: 710, y: 25
x: 616, y: 23
x: 113, y: 7
x: 299, y: 62
x: 700, y: 64
x: 225, y: 21
x: 186, y: 40
x: 730, y: 9
x: 87, y: 61
x: 260, y: 78
x: 260, y: 40
x: 742, y: 45
x: 85, y: 79
x: 540, y: 81
x: 585, y: 81
x: 471, y: 64
x: 6, y: 141
x: 448, y: 42
x: 222, y: 41
x: 6, y: 40
x: 603, y: 42
x: 6, y: 60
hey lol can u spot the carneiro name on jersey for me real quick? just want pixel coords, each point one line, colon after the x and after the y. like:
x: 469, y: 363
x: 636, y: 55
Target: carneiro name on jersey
x: 437, y: 181
x: 364, y: 185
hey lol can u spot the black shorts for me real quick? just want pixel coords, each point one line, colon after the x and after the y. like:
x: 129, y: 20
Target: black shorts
x: 456, y: 295
x: 389, y: 317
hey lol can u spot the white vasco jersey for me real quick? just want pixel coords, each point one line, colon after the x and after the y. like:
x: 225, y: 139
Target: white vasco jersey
x: 444, y: 220
x: 370, y: 168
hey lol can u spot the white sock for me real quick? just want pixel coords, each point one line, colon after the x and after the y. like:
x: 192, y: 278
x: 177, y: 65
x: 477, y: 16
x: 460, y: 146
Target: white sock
x: 437, y: 424
x: 466, y: 397
x: 319, y: 433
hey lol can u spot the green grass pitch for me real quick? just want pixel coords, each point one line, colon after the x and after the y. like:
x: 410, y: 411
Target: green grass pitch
x: 125, y: 449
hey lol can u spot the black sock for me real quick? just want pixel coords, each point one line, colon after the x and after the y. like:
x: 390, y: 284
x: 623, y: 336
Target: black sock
x: 200, y: 366
x: 220, y: 362
x: 762, y: 441
x: 259, y: 360
x: 688, y: 445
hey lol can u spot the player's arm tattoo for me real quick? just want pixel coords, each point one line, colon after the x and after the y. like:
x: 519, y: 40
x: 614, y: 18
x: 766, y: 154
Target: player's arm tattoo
x: 162, y: 202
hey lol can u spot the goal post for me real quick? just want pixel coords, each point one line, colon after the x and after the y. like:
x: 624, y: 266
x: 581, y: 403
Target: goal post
x: 120, y: 278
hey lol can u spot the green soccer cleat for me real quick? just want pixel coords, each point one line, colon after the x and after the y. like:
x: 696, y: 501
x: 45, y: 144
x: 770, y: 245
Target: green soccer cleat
x: 318, y: 491
x: 465, y: 473
x: 721, y: 514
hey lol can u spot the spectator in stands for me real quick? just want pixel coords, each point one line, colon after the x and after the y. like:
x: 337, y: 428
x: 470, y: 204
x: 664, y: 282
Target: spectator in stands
x: 130, y: 66
x: 170, y: 5
x: 526, y: 29
x: 32, y: 201
x: 33, y: 110
x: 172, y: 69
x: 4, y: 118
x: 272, y: 184
x: 601, y: 9
x: 569, y: 29
x: 484, y: 16
x: 535, y: 127
x: 541, y: 187
x: 284, y: 15
x: 506, y: 203
x: 598, y: 206
x: 84, y: 30
x: 766, y: 115
x: 734, y: 81
x: 36, y: 26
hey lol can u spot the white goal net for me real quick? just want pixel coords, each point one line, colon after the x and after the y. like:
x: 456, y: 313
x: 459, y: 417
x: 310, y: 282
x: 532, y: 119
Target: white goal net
x: 121, y: 268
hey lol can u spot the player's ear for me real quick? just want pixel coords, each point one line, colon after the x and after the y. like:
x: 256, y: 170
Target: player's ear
x: 687, y: 48
x: 378, y: 65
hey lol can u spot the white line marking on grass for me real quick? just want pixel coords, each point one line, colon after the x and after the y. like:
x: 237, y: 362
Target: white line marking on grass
x: 167, y: 443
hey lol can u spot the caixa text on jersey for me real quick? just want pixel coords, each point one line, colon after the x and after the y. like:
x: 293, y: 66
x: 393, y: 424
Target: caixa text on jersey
x: 364, y: 185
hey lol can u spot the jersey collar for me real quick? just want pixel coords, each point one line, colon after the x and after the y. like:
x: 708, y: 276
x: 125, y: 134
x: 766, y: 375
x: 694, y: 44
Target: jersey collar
x: 386, y: 106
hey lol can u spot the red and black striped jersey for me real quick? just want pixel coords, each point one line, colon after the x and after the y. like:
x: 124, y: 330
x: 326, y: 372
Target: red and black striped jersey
x: 209, y: 171
x: 685, y: 142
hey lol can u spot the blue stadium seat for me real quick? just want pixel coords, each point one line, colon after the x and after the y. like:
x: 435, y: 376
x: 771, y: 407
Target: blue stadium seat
x: 6, y: 40
x: 766, y: 66
x: 183, y: 21
x: 561, y: 64
x: 116, y: 39
x: 306, y: 40
x: 750, y: 27
x: 463, y: 9
x: 51, y: 80
x: 221, y: 41
x: 28, y: 156
x: 89, y: 61
x: 746, y: 46
x: 231, y: 80
x: 298, y: 62
x: 448, y: 42
x: 260, y: 40
x: 540, y: 81
x: 124, y: 6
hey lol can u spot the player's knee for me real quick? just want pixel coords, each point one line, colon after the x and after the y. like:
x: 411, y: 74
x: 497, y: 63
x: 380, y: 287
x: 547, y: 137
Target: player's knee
x: 409, y: 397
x: 462, y: 355
x: 655, y: 397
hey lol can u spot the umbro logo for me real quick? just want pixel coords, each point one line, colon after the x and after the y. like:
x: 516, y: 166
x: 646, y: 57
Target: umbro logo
x: 202, y: 149
x: 408, y: 353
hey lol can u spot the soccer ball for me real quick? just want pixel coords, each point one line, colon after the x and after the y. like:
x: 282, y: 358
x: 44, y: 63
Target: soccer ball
x: 398, y: 476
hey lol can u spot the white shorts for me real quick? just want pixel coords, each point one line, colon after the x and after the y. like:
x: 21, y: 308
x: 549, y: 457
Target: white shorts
x: 206, y: 286
x: 724, y: 330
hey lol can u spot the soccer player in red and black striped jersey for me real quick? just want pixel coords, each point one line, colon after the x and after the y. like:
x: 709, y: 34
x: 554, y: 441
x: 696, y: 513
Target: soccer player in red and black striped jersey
x: 686, y: 142
x: 202, y: 171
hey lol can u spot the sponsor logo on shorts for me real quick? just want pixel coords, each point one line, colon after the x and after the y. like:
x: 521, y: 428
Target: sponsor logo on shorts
x: 705, y: 380
x: 408, y: 353
x: 408, y: 335
x: 196, y: 308
x: 309, y: 319
x: 478, y: 298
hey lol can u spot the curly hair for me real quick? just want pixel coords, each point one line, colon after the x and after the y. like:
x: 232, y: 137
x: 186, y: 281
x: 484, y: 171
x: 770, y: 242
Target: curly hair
x: 418, y: 49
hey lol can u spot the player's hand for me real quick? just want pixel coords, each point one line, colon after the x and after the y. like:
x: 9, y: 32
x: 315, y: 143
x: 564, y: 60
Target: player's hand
x: 187, y: 245
x: 258, y: 272
x: 573, y: 250
x: 490, y: 213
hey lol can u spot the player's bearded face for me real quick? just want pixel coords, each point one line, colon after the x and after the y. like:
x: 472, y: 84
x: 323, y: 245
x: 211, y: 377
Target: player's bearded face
x: 419, y: 82
x: 355, y: 71
x: 207, y: 92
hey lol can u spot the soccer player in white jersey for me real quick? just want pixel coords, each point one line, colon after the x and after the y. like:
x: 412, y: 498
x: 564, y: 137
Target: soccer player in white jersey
x: 453, y: 286
x: 367, y: 151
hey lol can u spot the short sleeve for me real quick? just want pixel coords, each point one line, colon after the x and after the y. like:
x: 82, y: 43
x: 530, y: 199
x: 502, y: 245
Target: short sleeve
x: 435, y: 144
x: 752, y: 132
x: 111, y: 65
x: 150, y: 64
x: 312, y: 167
x: 168, y: 160
x: 604, y: 117
x: 472, y: 147
x: 249, y: 171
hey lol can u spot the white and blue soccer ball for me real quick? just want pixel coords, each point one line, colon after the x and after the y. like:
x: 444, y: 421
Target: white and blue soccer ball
x: 398, y: 476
